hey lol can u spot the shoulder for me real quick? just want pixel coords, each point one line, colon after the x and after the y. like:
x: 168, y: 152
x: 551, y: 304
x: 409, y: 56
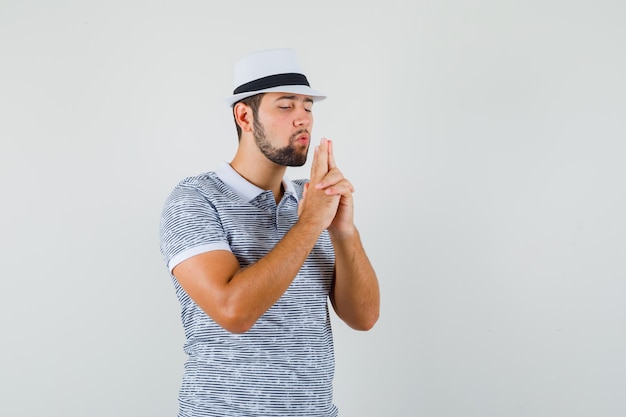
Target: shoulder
x: 198, y: 182
x: 205, y: 185
x: 191, y: 191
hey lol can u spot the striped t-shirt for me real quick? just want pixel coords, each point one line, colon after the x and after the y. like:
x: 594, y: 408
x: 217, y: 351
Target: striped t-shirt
x: 284, y: 365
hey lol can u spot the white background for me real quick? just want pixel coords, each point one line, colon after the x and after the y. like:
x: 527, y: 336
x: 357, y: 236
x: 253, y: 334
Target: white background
x: 485, y: 140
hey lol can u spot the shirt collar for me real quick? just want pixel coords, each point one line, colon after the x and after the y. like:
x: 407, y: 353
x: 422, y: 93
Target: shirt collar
x: 243, y: 187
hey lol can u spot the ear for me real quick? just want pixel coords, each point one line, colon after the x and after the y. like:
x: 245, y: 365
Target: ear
x: 243, y: 116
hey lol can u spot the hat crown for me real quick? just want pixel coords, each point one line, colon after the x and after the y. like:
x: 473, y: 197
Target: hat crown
x: 270, y: 70
x: 266, y: 63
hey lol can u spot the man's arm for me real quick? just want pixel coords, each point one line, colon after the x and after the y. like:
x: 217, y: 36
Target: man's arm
x: 236, y: 297
x: 356, y: 294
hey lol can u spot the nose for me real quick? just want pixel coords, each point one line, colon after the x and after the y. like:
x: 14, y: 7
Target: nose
x: 302, y: 116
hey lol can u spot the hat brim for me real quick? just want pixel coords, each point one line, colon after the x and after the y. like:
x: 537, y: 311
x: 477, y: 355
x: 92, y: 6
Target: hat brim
x: 294, y: 89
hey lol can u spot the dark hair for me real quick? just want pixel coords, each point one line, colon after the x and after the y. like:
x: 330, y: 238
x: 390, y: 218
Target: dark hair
x: 253, y: 102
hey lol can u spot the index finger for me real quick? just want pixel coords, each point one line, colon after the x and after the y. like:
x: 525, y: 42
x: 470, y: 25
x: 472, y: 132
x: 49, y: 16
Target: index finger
x: 331, y: 156
x: 319, y: 168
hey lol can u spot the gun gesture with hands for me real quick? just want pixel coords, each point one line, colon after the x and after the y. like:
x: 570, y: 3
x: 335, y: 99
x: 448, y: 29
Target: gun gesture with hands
x: 327, y: 198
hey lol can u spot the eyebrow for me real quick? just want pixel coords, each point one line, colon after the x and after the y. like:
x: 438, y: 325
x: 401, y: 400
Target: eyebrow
x: 306, y: 99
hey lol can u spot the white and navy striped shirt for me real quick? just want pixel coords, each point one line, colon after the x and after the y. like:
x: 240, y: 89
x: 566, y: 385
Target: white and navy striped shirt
x: 284, y: 365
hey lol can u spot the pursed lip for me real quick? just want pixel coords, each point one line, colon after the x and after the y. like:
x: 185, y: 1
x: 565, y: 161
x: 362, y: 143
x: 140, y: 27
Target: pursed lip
x: 303, y: 138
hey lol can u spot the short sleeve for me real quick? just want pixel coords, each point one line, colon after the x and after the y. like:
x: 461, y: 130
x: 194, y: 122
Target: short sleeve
x: 190, y: 225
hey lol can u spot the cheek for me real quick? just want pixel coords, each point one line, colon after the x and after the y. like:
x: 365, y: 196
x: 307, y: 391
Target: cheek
x: 276, y: 124
x: 272, y: 120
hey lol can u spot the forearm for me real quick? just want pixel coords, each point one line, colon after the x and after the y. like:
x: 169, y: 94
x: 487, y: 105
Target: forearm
x: 356, y: 294
x: 254, y: 289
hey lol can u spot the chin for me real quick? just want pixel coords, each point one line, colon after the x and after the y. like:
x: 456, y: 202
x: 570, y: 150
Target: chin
x: 297, y: 163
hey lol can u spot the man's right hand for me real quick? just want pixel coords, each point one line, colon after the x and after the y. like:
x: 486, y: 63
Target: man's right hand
x: 326, y: 190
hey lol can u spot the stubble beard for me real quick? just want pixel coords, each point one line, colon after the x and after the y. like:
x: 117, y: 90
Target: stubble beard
x: 289, y: 155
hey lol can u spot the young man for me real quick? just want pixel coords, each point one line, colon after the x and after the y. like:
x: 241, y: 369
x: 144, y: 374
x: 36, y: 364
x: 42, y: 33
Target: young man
x: 255, y: 257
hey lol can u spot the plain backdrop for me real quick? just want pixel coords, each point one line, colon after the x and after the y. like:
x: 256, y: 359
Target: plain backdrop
x: 486, y: 143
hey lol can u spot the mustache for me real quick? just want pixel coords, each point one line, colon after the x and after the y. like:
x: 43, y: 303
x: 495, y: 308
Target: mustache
x: 298, y: 133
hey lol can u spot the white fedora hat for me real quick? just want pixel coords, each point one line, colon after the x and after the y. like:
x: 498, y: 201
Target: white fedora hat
x: 270, y: 70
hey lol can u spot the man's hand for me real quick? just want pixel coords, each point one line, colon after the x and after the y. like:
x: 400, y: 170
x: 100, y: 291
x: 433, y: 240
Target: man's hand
x: 328, y: 195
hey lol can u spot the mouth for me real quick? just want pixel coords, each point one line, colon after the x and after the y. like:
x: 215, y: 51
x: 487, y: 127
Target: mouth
x: 302, y: 138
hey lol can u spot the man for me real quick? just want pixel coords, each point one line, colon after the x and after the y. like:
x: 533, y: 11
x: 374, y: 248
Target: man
x: 255, y: 257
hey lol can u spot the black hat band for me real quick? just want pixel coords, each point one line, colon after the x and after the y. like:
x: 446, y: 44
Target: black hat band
x: 272, y: 81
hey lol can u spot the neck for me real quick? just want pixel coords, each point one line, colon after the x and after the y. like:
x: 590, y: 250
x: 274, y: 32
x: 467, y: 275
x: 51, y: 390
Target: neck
x: 261, y: 172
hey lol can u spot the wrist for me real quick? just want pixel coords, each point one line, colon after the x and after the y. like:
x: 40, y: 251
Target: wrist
x: 343, y: 233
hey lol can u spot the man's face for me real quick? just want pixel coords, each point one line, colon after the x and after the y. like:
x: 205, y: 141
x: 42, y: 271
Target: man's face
x: 282, y: 128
